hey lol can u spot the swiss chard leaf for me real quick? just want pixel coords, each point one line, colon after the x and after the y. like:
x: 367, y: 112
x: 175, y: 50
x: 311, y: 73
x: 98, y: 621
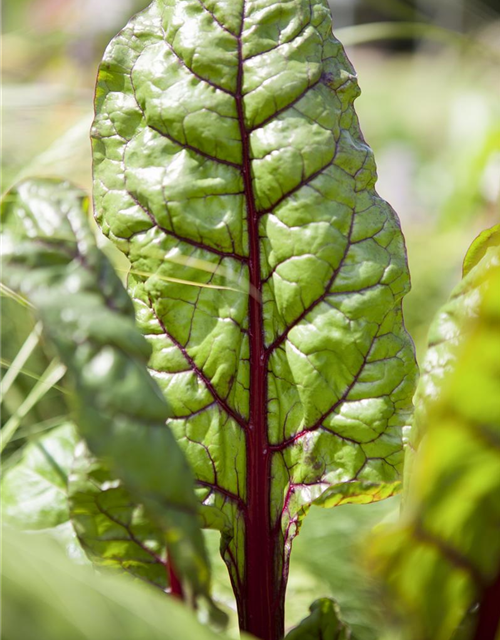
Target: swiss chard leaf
x: 448, y: 331
x: 444, y: 558
x: 266, y: 271
x: 49, y: 487
x: 34, y: 491
x: 50, y: 256
x: 486, y: 240
x: 112, y: 528
x: 324, y: 622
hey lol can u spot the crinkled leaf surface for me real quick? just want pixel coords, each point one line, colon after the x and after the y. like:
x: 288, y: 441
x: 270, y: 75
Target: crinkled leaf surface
x: 445, y: 556
x: 324, y: 623
x: 50, y: 257
x: 50, y: 488
x: 113, y: 529
x: 34, y: 491
x: 267, y: 273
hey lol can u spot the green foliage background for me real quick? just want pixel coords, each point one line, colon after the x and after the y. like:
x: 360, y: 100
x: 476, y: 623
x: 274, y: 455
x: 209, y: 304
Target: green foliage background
x: 431, y: 114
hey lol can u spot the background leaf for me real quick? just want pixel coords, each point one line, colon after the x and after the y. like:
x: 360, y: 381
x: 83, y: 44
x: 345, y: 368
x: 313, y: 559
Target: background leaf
x: 444, y: 558
x: 34, y: 491
x: 324, y: 622
x: 448, y: 332
x: 48, y: 488
x: 479, y: 248
x: 46, y: 596
x: 50, y: 257
x: 113, y: 529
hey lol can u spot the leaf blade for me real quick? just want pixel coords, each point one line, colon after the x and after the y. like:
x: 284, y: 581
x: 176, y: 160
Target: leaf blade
x: 67, y: 601
x: 114, y: 530
x: 324, y: 622
x: 50, y: 255
x: 34, y: 491
x: 240, y: 148
x: 48, y: 380
x: 444, y: 557
x: 16, y: 366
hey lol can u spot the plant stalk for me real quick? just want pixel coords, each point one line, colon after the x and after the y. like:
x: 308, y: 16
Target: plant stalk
x: 20, y: 360
x: 51, y: 376
x: 176, y: 590
x: 261, y: 609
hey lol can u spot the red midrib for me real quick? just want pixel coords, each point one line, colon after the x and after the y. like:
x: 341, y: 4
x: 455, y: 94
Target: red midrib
x: 260, y: 613
x: 176, y: 589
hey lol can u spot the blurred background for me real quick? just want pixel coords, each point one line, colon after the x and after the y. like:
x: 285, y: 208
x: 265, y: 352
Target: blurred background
x: 430, y: 108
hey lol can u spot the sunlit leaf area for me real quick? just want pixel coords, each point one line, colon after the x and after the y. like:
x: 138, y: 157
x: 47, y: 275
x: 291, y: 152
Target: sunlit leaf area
x: 119, y: 525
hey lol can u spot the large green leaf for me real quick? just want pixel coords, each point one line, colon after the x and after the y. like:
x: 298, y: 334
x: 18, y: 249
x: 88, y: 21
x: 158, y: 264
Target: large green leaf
x: 50, y: 256
x: 267, y: 273
x: 45, y: 596
x: 444, y: 558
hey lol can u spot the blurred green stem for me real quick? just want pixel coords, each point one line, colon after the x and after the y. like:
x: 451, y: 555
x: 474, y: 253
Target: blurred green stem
x: 373, y: 31
x: 6, y: 364
x: 52, y: 374
x: 397, y: 9
x: 41, y: 427
x: 8, y: 293
x: 20, y: 360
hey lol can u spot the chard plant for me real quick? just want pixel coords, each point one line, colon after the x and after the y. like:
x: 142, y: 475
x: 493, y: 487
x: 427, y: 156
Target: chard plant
x: 257, y: 362
x: 227, y: 153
